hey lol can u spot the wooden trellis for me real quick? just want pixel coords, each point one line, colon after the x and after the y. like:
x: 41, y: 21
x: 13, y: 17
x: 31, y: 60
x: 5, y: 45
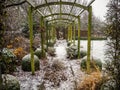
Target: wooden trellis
x: 54, y: 11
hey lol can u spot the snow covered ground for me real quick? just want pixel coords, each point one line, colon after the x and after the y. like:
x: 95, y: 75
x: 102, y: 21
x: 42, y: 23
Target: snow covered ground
x: 98, y: 48
x: 72, y: 71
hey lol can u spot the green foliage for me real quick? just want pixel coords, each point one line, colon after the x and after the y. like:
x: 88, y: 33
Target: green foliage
x: 94, y: 64
x: 113, y: 33
x: 10, y: 83
x: 8, y: 61
x: 26, y: 62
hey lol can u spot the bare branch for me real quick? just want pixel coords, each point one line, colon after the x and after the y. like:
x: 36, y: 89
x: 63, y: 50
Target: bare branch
x: 15, y: 4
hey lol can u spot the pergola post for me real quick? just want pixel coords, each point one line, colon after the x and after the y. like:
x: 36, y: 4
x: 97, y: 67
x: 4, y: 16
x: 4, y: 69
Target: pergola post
x: 46, y: 24
x: 30, y: 21
x: 68, y: 33
x: 74, y: 32
x: 54, y: 33
x: 42, y: 37
x: 71, y: 33
x: 49, y: 27
x: 78, y: 37
x: 89, y: 38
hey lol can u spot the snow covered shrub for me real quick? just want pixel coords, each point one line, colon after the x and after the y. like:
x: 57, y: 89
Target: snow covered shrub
x: 51, y: 51
x: 8, y: 61
x: 10, y: 83
x: 38, y: 52
x: 26, y: 62
x: 94, y: 64
x: 72, y: 52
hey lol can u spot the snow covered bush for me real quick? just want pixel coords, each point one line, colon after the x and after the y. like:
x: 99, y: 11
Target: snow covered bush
x: 72, y: 52
x: 38, y: 52
x: 8, y: 61
x: 51, y: 51
x: 94, y: 64
x: 26, y: 62
x: 10, y: 82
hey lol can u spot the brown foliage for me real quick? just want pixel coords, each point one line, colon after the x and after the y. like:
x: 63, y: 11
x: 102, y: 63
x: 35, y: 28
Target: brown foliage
x: 90, y: 81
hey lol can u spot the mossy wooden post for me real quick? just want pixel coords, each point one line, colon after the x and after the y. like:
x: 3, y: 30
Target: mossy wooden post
x: 30, y: 21
x: 47, y: 37
x: 89, y: 38
x: 78, y: 37
x: 71, y: 33
x: 52, y: 33
x: 68, y: 33
x: 74, y: 33
x: 49, y: 32
x: 42, y: 36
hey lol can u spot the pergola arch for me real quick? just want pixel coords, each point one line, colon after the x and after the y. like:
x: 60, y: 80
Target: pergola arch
x: 66, y: 14
x: 63, y: 3
x: 47, y: 4
x: 61, y: 19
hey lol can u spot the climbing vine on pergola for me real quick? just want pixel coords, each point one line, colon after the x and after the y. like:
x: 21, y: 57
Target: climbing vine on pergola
x: 64, y: 11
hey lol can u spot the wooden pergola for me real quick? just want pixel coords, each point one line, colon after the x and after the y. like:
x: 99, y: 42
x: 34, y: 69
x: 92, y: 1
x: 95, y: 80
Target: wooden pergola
x: 64, y: 11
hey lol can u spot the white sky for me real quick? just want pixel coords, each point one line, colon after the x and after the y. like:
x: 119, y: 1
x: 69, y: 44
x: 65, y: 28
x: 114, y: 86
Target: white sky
x: 99, y: 8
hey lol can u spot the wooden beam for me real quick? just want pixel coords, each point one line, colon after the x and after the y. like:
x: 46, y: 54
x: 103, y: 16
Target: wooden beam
x: 59, y: 14
x: 63, y: 3
x: 60, y: 19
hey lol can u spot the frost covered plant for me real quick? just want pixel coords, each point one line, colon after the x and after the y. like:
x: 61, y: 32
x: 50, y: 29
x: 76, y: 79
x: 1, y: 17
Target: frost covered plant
x: 51, y: 51
x: 58, y: 65
x: 26, y: 63
x: 72, y: 52
x: 8, y: 61
x: 95, y: 64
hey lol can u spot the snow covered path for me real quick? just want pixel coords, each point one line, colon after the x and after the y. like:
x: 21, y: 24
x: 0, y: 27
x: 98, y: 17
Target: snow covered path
x: 72, y: 72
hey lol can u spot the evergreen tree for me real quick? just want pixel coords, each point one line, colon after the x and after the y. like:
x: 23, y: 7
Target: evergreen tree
x: 113, y: 33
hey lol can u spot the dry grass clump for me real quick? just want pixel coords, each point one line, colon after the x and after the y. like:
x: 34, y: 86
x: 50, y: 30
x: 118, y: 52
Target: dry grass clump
x: 55, y: 74
x: 58, y: 65
x: 91, y: 81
